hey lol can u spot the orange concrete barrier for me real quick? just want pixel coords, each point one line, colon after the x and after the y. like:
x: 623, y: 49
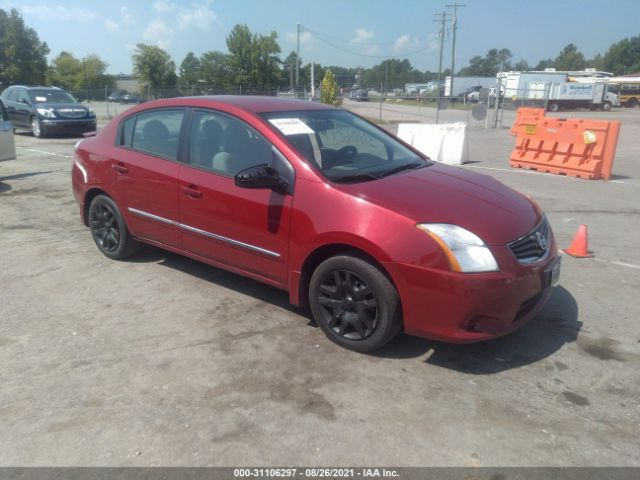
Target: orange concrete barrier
x: 526, y: 116
x: 578, y: 148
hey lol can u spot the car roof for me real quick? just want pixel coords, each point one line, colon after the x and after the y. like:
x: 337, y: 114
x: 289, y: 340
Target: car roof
x: 260, y: 104
x: 39, y: 87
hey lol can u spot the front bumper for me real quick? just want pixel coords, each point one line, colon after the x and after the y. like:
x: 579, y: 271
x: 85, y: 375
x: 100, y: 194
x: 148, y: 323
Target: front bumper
x: 63, y: 126
x: 464, y: 308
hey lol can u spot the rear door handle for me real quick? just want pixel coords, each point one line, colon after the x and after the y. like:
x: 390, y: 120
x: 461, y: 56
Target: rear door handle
x: 119, y: 167
x: 192, y: 191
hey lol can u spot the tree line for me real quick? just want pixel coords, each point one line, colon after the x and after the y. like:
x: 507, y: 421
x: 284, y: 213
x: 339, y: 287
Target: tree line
x: 621, y: 58
x: 253, y: 63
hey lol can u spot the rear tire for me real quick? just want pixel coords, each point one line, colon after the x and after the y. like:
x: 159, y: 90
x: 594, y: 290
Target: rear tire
x: 553, y: 107
x: 354, y: 303
x: 109, y: 230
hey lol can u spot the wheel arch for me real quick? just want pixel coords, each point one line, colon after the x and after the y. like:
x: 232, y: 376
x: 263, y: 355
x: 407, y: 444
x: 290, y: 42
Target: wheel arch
x: 299, y: 292
x: 88, y: 198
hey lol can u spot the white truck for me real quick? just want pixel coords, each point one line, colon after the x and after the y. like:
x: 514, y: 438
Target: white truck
x: 580, y: 95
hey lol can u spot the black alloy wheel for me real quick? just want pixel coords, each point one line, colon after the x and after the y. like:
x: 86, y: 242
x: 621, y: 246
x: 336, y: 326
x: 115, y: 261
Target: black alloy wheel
x: 348, y: 305
x: 109, y: 230
x: 354, y: 302
x: 105, y: 228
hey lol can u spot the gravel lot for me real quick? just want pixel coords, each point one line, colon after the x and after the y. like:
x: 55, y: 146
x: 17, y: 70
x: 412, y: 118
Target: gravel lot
x: 163, y: 361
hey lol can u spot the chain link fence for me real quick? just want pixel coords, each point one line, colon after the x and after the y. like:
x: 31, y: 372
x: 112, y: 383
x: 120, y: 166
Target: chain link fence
x: 383, y: 104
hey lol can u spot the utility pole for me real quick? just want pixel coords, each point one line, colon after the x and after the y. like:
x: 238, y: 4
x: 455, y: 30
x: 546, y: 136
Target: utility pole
x: 455, y: 6
x: 86, y: 86
x: 386, y: 75
x: 298, y: 56
x: 442, y: 18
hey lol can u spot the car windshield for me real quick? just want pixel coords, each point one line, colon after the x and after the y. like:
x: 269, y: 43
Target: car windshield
x: 50, y: 96
x: 344, y: 147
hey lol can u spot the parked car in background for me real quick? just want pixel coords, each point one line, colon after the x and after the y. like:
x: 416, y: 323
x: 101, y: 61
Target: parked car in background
x: 47, y: 110
x: 7, y: 145
x: 360, y: 95
x: 124, y: 97
x: 319, y: 202
x: 115, y: 96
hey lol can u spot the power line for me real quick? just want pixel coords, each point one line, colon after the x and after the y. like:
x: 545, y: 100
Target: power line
x: 360, y: 54
x: 377, y: 44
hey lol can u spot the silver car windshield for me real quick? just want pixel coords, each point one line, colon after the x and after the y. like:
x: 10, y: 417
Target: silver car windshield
x: 343, y: 146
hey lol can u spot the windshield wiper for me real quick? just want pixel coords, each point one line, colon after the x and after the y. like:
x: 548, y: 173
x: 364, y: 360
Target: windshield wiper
x: 402, y: 168
x: 356, y: 177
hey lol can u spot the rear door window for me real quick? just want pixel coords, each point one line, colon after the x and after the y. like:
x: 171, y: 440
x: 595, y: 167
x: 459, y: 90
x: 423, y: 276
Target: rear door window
x: 158, y: 132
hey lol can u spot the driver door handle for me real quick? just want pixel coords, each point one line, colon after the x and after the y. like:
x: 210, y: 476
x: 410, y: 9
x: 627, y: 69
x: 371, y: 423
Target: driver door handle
x: 119, y: 167
x: 192, y: 191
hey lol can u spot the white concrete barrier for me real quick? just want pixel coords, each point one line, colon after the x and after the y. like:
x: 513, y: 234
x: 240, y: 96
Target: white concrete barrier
x: 446, y: 143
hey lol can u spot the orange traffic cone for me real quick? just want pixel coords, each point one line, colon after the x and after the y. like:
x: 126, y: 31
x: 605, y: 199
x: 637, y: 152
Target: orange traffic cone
x: 580, y: 246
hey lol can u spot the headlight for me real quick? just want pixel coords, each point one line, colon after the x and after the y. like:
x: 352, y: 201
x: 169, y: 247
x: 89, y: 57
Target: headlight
x: 92, y: 113
x: 465, y: 251
x: 46, y: 112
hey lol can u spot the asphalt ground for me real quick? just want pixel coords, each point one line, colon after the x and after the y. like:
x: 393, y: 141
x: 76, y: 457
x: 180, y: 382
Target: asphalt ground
x: 160, y: 360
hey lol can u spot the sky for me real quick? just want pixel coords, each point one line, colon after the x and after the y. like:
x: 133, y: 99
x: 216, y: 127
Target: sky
x: 347, y: 33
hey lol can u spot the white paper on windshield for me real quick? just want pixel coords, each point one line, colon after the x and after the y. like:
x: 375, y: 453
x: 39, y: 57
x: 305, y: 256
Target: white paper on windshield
x: 41, y: 99
x: 291, y: 126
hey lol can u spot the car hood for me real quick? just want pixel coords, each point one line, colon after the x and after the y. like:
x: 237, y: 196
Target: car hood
x: 443, y: 194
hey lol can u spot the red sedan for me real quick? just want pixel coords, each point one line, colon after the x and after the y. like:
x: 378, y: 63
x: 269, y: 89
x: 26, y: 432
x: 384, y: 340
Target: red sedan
x: 352, y: 222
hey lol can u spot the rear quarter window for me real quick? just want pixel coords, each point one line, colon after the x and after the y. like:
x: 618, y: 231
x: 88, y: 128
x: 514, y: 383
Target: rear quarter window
x: 125, y: 133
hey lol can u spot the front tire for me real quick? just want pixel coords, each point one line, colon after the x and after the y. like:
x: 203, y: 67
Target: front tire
x: 554, y: 107
x: 36, y: 128
x: 354, y: 303
x: 108, y: 229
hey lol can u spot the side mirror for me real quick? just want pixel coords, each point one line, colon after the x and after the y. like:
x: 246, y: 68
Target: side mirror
x: 261, y: 176
x: 26, y: 102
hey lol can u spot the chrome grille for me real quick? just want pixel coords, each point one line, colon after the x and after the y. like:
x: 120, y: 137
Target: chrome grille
x: 534, y: 245
x: 75, y: 112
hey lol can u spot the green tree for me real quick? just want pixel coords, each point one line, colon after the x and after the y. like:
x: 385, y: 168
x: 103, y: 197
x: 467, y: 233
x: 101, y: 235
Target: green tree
x: 77, y: 75
x: 345, y: 77
x: 570, y: 59
x: 190, y: 73
x: 253, y: 58
x: 267, y: 60
x: 241, y: 54
x: 95, y: 73
x: 330, y: 91
x: 494, y: 61
x: 289, y: 70
x: 623, y: 57
x: 215, y: 71
x: 156, y: 69
x: 65, y: 69
x: 23, y: 57
x: 542, y: 64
